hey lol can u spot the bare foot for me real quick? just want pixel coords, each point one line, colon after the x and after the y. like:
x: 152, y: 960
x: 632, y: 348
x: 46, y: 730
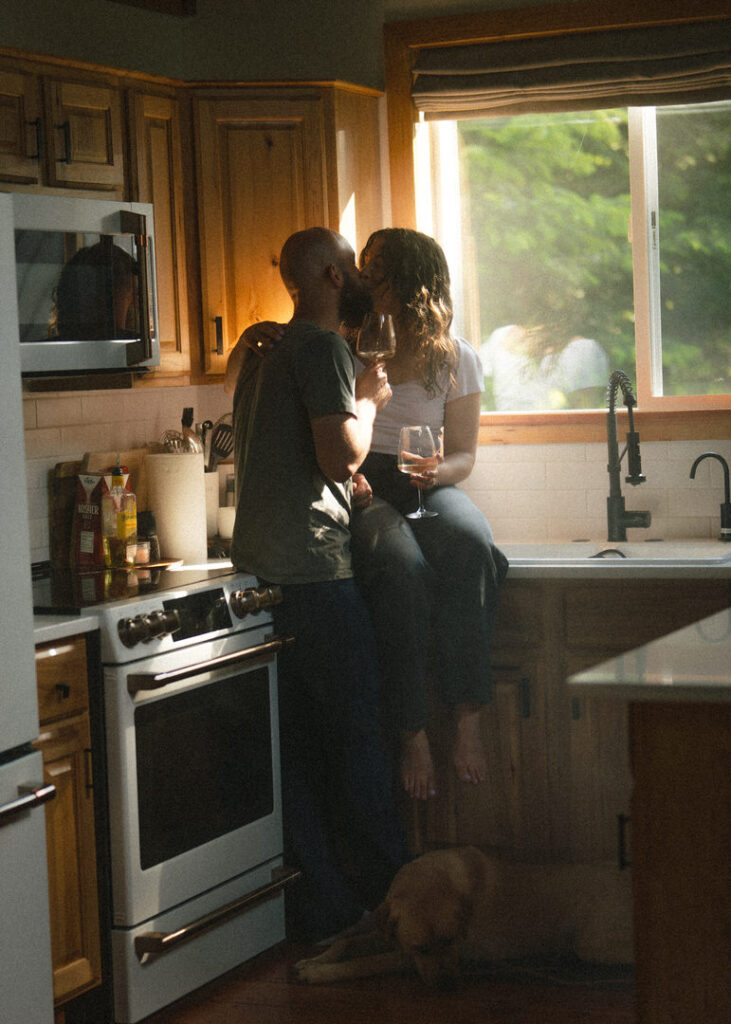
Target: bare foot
x: 417, y: 768
x: 469, y: 755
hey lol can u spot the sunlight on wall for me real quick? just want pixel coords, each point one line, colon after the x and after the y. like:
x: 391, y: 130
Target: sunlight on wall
x: 348, y: 223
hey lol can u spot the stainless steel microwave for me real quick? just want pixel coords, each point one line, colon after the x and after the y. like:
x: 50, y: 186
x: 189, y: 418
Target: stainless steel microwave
x: 85, y: 274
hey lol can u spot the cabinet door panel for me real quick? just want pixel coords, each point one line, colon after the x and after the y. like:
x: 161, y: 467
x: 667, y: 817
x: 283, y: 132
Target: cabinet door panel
x: 84, y: 135
x: 160, y: 182
x: 261, y: 178
x: 72, y: 879
x: 21, y: 128
x: 599, y: 772
x: 511, y: 811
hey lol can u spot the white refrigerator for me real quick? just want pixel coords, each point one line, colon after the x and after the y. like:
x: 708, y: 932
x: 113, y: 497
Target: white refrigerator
x: 26, y: 985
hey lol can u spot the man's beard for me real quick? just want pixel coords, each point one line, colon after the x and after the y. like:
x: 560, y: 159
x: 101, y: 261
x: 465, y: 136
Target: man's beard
x: 355, y: 303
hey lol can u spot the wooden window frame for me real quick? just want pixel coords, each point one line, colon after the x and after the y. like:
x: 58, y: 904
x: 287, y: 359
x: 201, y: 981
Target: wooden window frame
x: 401, y: 40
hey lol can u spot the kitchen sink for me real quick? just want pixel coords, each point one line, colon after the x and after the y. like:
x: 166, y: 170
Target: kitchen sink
x: 639, y: 553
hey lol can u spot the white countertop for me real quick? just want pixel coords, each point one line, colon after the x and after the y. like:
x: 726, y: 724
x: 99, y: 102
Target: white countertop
x: 692, y: 664
x: 635, y: 559
x: 56, y: 627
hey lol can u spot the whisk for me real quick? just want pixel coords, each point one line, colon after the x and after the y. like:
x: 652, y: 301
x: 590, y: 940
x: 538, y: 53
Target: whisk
x: 173, y: 441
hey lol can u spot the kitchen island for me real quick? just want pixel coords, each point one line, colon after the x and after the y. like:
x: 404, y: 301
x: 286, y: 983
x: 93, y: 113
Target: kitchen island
x: 677, y: 690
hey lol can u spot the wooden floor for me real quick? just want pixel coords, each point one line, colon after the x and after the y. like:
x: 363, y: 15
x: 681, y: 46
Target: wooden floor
x: 264, y: 992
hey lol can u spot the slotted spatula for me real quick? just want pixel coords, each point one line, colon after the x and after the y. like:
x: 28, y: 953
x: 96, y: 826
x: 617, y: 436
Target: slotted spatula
x: 222, y: 443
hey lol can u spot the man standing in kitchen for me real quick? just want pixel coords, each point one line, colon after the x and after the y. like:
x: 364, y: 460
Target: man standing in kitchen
x: 302, y: 427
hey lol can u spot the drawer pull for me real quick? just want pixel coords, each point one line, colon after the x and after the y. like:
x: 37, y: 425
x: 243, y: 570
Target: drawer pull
x: 63, y: 691
x: 155, y: 943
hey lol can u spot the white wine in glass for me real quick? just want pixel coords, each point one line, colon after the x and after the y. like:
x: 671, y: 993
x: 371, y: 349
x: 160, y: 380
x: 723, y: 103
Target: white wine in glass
x: 417, y: 454
x: 376, y: 338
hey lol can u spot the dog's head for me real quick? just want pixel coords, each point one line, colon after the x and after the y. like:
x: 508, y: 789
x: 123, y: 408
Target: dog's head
x: 427, y: 912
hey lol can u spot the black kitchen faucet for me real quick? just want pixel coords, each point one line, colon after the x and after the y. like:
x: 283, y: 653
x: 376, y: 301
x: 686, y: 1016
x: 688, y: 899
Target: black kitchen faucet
x: 618, y: 518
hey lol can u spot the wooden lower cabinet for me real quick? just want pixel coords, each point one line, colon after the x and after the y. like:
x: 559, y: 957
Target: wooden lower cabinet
x: 559, y: 782
x: 65, y: 743
x: 680, y: 850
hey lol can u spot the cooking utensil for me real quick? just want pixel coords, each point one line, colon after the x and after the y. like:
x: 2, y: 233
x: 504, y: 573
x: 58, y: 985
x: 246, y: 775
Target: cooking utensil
x: 192, y: 441
x: 222, y: 443
x: 173, y: 441
x: 206, y: 432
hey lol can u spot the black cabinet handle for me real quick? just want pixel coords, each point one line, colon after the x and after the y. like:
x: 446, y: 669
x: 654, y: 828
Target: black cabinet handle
x: 37, y: 126
x: 66, y: 129
x: 218, y: 321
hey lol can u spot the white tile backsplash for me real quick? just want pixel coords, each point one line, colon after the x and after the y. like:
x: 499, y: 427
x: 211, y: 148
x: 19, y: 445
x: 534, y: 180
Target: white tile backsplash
x: 559, y: 492
x: 527, y: 492
x: 61, y: 428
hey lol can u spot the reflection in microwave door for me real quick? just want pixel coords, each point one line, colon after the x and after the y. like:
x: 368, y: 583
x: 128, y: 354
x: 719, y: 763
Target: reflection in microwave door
x: 96, y: 294
x: 74, y: 286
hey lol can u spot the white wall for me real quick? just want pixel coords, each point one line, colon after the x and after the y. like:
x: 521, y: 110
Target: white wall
x: 528, y: 492
x: 227, y: 39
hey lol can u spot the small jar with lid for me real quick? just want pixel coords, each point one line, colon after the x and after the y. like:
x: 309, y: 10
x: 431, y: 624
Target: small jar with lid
x: 148, y: 546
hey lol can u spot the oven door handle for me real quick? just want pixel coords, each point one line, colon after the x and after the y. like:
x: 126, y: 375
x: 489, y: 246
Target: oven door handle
x: 137, y: 681
x: 156, y: 943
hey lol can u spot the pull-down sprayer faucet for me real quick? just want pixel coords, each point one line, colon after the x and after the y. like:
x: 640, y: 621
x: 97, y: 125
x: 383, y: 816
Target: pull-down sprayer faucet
x: 618, y: 519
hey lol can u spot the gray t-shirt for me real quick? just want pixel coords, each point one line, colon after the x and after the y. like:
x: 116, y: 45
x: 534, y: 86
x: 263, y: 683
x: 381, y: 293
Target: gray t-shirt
x: 291, y: 520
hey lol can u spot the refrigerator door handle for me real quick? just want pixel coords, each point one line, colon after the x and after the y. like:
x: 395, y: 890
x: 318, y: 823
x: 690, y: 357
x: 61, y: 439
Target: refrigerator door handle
x: 29, y: 798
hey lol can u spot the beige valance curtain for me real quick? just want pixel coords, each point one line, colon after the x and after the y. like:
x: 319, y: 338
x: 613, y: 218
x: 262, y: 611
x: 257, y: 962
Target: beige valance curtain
x: 688, y: 63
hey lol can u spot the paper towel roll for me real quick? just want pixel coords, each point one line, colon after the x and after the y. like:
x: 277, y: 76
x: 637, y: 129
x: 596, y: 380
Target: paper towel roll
x: 176, y: 493
x: 213, y: 500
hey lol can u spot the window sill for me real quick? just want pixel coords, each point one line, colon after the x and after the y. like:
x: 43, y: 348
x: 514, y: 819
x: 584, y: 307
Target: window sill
x: 590, y: 427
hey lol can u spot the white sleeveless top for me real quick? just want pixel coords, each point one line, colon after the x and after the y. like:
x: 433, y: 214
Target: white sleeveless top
x: 411, y: 405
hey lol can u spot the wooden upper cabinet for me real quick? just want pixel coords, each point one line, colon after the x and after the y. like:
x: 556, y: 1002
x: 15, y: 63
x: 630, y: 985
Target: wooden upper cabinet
x: 261, y: 177
x: 157, y: 168
x: 21, y: 128
x: 85, y: 136
x: 58, y: 130
x: 353, y: 151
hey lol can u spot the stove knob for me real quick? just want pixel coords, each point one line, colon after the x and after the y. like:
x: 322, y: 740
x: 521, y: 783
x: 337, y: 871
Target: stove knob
x: 161, y: 623
x: 144, y: 628
x: 252, y: 600
x: 133, y: 631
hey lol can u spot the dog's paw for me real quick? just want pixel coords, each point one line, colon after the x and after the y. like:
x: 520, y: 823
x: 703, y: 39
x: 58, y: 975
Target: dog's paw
x: 308, y: 971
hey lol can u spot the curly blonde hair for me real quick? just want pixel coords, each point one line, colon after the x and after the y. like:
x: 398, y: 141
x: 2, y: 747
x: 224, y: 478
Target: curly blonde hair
x: 416, y: 268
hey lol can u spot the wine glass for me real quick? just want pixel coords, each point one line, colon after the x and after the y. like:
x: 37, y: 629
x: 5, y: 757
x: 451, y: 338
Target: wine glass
x: 417, y: 454
x: 376, y: 338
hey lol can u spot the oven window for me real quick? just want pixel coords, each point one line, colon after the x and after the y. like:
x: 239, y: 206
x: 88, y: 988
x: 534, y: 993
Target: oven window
x: 204, y: 764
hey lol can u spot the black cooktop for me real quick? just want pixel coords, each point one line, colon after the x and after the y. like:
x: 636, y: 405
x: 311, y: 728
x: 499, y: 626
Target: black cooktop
x: 66, y: 592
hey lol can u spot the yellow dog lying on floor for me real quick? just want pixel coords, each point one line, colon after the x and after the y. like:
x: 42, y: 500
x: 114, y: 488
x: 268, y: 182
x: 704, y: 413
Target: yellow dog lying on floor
x: 462, y: 903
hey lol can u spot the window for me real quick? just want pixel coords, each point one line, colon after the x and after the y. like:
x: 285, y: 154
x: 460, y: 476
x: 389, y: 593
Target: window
x: 583, y: 242
x: 587, y: 56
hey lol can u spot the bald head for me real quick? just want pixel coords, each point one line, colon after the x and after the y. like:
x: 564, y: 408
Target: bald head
x: 318, y: 269
x: 307, y: 254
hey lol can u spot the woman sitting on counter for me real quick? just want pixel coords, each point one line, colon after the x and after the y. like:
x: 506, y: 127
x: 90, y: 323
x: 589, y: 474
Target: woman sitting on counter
x: 431, y: 585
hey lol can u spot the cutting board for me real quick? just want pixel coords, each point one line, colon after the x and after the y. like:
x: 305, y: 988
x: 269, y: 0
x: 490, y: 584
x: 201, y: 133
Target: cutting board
x: 62, y: 492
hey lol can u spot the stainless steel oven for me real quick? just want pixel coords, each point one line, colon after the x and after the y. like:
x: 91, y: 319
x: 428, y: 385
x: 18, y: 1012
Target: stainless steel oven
x: 190, y: 693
